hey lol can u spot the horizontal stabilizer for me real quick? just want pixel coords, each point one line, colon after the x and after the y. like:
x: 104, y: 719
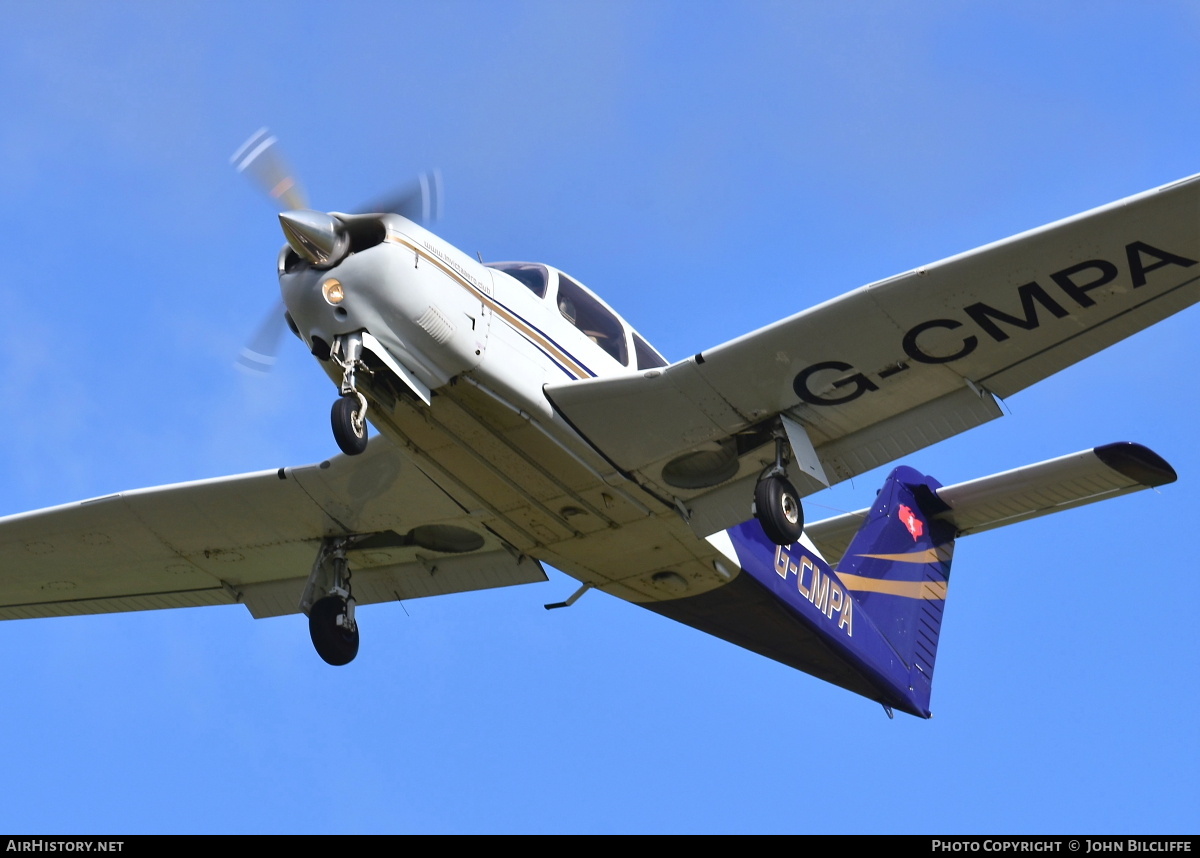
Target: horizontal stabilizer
x: 1024, y: 493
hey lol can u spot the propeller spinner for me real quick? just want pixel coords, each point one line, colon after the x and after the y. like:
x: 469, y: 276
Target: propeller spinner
x: 316, y: 236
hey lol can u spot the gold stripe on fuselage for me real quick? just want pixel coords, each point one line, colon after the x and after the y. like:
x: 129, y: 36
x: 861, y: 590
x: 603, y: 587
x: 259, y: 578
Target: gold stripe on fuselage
x: 500, y: 310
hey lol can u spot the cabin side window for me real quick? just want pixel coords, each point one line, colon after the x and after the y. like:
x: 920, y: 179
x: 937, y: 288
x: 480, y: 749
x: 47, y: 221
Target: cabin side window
x: 593, y: 318
x: 531, y: 274
x: 647, y: 357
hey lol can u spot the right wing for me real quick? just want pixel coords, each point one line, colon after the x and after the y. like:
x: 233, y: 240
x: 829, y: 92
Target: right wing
x: 893, y: 367
x: 252, y: 539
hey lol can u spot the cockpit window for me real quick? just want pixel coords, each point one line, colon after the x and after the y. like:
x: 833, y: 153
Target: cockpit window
x: 534, y: 276
x: 647, y: 357
x: 583, y: 311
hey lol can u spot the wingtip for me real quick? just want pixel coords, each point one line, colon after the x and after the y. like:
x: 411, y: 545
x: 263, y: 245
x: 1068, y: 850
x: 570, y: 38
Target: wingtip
x: 1137, y: 463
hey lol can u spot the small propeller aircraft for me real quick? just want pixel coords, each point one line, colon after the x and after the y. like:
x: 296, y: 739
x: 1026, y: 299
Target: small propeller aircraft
x: 522, y: 421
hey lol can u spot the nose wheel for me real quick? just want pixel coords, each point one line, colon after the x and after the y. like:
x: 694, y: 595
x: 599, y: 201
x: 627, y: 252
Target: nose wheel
x: 349, y: 415
x: 777, y: 503
x: 349, y: 419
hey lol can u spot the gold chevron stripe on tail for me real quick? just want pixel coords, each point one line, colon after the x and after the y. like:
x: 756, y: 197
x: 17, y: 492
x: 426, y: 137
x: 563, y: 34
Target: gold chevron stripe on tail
x: 928, y: 590
x: 941, y: 554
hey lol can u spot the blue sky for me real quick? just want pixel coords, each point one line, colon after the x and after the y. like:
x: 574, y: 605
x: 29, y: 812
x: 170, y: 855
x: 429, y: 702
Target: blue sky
x: 706, y: 167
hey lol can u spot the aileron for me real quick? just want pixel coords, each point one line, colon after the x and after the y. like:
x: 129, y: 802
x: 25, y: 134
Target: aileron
x: 133, y: 602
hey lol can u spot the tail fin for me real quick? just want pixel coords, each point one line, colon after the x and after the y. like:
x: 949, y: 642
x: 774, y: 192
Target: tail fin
x: 897, y: 568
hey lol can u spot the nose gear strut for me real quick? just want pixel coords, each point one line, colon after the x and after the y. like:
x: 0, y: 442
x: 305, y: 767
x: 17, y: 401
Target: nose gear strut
x: 349, y: 414
x: 776, y: 501
x: 329, y: 603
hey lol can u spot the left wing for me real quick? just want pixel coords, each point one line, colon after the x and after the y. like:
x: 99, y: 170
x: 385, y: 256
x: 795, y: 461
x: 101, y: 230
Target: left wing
x: 898, y: 365
x: 253, y: 539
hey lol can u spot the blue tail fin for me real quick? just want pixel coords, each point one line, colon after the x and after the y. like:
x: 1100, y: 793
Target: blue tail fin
x: 897, y: 568
x: 872, y: 626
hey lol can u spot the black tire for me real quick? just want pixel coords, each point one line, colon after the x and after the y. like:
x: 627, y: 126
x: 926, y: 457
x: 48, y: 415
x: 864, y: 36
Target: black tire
x: 777, y: 508
x: 335, y: 645
x: 351, y: 435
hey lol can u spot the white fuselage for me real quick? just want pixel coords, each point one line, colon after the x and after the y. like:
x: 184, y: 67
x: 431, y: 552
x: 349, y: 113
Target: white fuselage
x: 442, y: 313
x: 485, y: 343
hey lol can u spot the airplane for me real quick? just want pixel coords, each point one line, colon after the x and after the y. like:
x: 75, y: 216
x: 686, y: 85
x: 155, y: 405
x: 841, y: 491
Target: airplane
x: 522, y: 421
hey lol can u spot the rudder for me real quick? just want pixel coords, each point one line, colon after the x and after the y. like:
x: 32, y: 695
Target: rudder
x: 897, y: 568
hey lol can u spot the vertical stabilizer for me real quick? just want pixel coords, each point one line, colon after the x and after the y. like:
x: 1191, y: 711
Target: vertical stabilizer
x: 897, y: 568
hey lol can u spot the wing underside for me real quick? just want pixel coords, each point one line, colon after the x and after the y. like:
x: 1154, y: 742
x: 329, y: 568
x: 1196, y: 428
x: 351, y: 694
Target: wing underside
x: 898, y: 365
x: 251, y: 539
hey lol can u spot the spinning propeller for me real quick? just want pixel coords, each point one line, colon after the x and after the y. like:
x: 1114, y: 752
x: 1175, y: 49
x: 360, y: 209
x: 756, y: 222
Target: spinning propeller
x: 317, y: 236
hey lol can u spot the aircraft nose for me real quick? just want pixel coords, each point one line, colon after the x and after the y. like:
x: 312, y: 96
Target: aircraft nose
x: 320, y: 238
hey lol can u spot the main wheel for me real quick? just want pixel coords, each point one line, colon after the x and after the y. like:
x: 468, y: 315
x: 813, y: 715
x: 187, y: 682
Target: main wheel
x: 777, y: 508
x: 349, y: 429
x: 335, y: 644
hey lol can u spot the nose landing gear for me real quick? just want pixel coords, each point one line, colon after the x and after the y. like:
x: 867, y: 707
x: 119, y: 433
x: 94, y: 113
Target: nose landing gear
x: 349, y: 415
x: 777, y: 503
x: 349, y: 419
x: 329, y: 603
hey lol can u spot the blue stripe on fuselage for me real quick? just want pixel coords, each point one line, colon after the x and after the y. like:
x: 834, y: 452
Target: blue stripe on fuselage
x: 549, y: 339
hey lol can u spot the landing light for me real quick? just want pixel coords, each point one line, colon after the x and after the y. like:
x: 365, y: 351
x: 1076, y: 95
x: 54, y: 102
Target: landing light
x: 332, y: 290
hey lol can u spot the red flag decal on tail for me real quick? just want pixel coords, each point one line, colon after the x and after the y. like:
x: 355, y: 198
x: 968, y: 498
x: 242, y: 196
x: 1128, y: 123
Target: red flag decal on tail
x: 915, y: 526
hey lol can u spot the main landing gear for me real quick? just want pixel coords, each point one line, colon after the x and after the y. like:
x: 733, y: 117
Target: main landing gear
x: 329, y: 603
x: 349, y: 415
x: 777, y: 503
